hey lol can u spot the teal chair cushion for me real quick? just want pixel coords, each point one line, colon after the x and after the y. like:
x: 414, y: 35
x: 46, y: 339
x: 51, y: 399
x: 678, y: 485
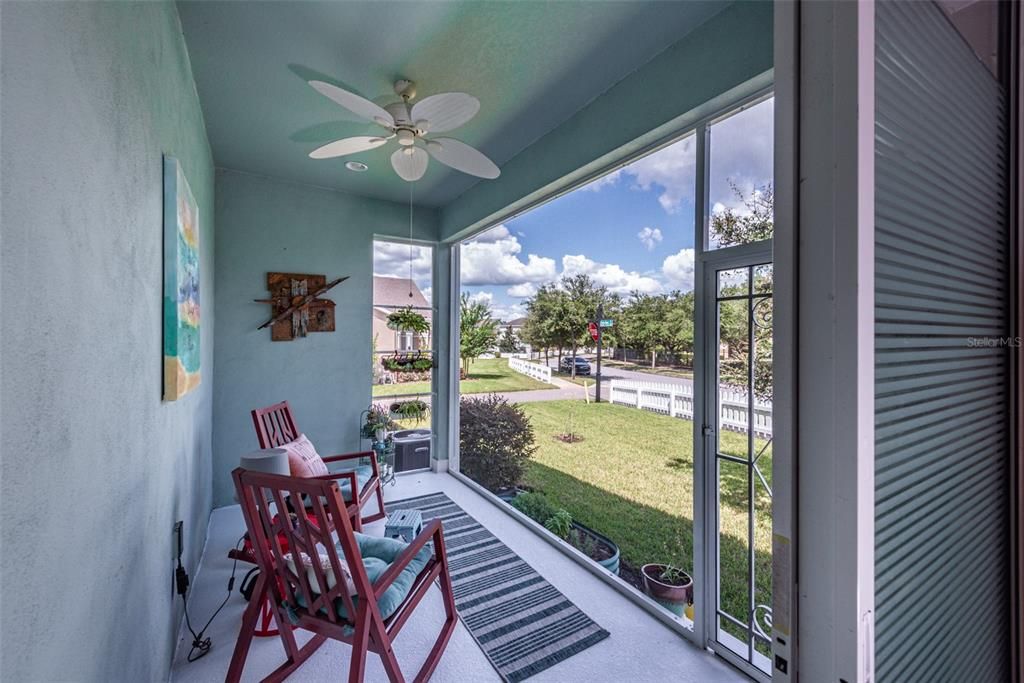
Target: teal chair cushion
x: 363, y: 474
x: 378, y: 554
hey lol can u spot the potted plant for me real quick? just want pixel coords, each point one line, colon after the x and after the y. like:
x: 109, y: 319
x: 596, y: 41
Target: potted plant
x: 376, y: 424
x: 408, y: 320
x: 413, y: 409
x: 670, y: 586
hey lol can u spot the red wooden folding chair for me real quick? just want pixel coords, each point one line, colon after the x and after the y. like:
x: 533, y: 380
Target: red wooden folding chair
x: 366, y: 613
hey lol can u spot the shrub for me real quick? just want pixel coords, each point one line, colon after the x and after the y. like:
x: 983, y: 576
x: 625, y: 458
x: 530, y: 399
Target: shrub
x: 495, y: 441
x: 535, y: 506
x: 560, y: 524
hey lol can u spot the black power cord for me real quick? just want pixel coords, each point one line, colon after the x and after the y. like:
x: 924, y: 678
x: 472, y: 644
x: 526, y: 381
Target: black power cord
x: 200, y: 644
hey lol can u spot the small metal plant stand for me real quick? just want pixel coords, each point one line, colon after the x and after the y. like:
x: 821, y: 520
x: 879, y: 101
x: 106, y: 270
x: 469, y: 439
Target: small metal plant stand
x: 385, y: 451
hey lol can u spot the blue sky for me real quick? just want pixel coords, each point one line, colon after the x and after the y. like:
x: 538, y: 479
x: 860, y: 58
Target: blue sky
x: 629, y: 230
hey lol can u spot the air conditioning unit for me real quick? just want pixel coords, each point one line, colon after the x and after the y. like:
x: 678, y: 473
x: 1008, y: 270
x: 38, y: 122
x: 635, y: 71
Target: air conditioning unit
x: 412, y: 449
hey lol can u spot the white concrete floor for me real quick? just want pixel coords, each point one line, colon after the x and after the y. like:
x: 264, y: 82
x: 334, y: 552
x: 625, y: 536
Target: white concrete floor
x: 639, y: 648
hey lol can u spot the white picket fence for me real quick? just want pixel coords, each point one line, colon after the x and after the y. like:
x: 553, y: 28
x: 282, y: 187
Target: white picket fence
x: 534, y: 370
x: 676, y: 400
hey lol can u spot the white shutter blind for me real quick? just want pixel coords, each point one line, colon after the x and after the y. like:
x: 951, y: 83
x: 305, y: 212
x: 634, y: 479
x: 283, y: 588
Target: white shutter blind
x: 941, y: 535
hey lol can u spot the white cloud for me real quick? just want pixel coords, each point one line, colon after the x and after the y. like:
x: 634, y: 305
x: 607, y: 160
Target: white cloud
x: 603, y: 181
x: 672, y: 170
x: 741, y: 153
x: 523, y: 291
x: 494, y: 259
x: 495, y: 234
x: 508, y: 313
x: 649, y: 237
x: 499, y: 311
x: 391, y: 259
x: 610, y: 275
x: 678, y: 269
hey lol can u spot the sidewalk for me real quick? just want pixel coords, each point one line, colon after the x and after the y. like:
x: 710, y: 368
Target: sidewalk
x: 563, y: 390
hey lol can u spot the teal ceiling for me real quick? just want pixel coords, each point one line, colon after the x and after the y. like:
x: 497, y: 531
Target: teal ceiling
x: 531, y: 64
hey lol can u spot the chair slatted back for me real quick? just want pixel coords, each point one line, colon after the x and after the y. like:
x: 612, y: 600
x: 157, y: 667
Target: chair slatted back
x: 275, y: 425
x: 264, y: 503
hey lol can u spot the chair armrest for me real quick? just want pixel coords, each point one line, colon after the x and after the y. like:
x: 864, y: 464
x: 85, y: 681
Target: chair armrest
x: 432, y: 531
x: 333, y: 476
x: 372, y: 455
x: 349, y: 456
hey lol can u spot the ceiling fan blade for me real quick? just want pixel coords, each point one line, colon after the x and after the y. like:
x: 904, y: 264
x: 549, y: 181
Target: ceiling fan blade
x: 446, y: 111
x: 410, y: 163
x: 355, y: 103
x: 462, y: 157
x: 340, y: 148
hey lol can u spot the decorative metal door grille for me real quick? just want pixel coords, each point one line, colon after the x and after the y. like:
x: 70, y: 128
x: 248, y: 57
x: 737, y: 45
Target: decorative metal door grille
x: 743, y: 310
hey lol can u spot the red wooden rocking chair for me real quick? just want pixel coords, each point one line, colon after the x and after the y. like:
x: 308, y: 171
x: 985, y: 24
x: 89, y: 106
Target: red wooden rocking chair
x: 275, y: 426
x: 381, y: 607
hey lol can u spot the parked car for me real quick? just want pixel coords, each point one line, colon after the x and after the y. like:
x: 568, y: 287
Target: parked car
x: 582, y: 365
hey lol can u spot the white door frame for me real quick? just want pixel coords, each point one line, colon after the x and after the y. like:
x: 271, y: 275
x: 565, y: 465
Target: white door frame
x: 705, y: 431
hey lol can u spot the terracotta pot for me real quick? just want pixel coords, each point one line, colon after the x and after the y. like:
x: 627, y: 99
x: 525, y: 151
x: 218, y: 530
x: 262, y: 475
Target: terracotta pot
x: 673, y: 598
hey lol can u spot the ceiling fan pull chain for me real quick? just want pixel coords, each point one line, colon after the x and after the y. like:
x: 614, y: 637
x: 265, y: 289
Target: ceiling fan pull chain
x: 410, y: 240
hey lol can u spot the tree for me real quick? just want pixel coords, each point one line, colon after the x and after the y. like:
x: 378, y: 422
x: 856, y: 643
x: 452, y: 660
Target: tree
x: 732, y: 227
x: 543, y: 327
x: 677, y: 334
x: 477, y: 330
x: 734, y: 336
x: 641, y: 323
x: 582, y: 297
x: 508, y: 342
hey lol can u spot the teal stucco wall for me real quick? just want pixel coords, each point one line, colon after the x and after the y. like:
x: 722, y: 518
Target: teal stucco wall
x: 96, y: 468
x: 271, y: 225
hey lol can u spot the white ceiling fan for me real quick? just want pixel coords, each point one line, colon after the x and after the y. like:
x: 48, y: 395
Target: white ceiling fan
x: 410, y: 125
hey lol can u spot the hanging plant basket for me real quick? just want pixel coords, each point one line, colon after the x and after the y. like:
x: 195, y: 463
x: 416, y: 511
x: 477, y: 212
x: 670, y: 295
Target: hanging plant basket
x: 408, y: 320
x: 408, y: 362
x: 414, y: 409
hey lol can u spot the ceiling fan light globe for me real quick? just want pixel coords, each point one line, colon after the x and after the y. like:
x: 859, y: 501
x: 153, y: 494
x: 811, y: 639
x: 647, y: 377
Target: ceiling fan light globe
x: 406, y: 137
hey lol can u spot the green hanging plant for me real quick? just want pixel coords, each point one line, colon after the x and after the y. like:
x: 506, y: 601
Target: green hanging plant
x: 408, y: 320
x: 414, y: 409
x: 407, y: 363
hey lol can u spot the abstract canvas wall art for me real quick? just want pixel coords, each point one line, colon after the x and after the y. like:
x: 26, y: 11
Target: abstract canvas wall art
x: 181, y: 284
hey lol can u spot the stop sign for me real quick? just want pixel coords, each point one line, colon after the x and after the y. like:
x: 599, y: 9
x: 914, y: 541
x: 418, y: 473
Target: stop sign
x: 592, y: 328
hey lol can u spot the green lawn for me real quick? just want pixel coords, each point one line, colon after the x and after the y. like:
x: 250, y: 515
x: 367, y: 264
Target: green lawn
x: 631, y: 478
x: 486, y: 375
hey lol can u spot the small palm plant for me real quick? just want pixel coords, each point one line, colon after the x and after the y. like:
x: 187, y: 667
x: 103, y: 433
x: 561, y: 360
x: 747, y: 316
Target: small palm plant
x: 408, y: 320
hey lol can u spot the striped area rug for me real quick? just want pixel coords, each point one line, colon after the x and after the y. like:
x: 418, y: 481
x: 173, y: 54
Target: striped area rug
x: 522, y: 623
